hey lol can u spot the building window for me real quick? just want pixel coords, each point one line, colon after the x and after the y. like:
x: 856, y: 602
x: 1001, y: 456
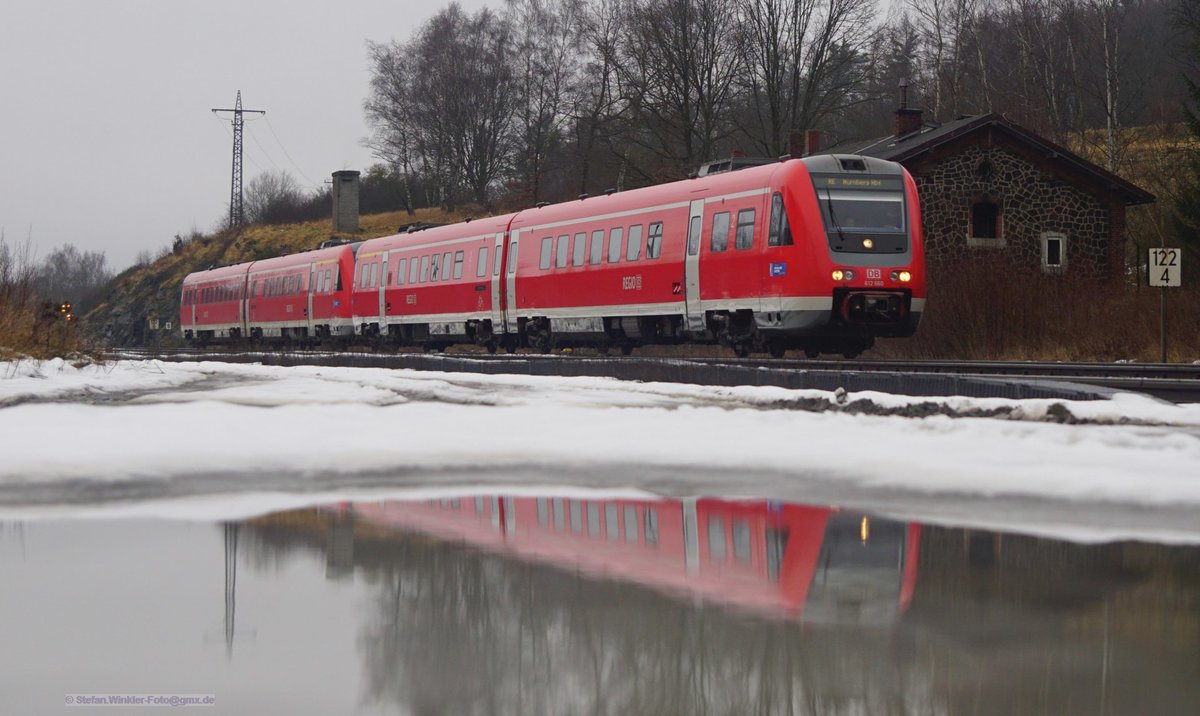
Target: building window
x: 1054, y: 252
x: 986, y: 221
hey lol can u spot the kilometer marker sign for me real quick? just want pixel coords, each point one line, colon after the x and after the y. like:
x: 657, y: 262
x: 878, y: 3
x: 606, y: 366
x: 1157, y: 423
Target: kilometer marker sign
x: 1166, y: 268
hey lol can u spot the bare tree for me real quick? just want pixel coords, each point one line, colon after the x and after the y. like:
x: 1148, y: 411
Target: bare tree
x: 273, y: 197
x: 546, y: 66
x: 805, y: 59
x: 680, y: 61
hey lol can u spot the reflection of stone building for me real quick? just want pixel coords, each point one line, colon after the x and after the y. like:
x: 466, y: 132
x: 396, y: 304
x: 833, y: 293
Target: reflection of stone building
x: 987, y: 184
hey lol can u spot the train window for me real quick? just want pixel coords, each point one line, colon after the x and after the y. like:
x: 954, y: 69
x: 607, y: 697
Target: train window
x: 498, y: 258
x: 611, y: 528
x: 434, y: 267
x: 447, y: 267
x: 741, y: 540
x: 634, y: 250
x: 401, y: 270
x: 376, y: 272
x: 576, y: 516
x: 651, y: 526
x: 559, y: 516
x: 512, y: 257
x: 614, y: 244
x: 693, y: 245
x: 459, y: 258
x: 543, y: 512
x: 358, y: 276
x: 579, y: 254
x: 776, y: 547
x: 481, y: 265
x: 424, y: 268
x: 337, y: 272
x: 547, y: 252
x: 780, y: 233
x: 593, y: 519
x: 414, y: 269
x: 596, y: 249
x: 329, y: 279
x: 563, y: 252
x: 631, y: 524
x: 479, y: 504
x: 745, y: 230
x: 654, y: 241
x: 716, y: 539
x: 720, y: 232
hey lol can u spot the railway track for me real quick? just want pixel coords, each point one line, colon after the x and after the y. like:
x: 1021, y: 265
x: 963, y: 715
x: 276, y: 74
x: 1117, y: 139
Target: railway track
x: 1013, y: 379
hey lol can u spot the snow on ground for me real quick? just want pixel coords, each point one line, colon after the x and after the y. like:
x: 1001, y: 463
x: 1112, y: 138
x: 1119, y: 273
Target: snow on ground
x: 102, y: 425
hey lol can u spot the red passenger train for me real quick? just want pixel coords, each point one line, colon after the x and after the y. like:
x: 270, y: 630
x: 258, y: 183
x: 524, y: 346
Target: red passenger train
x: 813, y: 564
x: 822, y: 254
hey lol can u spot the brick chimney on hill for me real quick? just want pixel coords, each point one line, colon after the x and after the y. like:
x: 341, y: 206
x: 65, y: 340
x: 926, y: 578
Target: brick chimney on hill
x: 907, y: 120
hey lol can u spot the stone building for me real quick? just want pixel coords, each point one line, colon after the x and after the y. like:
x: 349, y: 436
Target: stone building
x: 987, y: 184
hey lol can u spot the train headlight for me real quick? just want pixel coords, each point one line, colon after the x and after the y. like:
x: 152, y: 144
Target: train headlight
x: 901, y: 276
x: 838, y: 275
x: 848, y: 274
x: 868, y: 244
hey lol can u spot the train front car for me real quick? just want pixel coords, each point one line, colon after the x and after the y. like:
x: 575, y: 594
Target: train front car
x: 857, y: 225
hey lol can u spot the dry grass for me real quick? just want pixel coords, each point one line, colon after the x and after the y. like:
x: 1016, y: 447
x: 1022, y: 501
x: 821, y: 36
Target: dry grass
x: 974, y: 313
x: 26, y: 329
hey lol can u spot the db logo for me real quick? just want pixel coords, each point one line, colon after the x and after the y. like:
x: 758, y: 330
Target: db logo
x: 874, y: 274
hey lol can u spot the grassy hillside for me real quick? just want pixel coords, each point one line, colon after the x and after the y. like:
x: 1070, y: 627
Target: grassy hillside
x: 142, y: 294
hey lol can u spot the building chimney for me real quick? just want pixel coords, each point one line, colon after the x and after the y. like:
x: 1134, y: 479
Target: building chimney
x: 795, y: 145
x: 345, y: 201
x: 907, y: 120
x: 812, y: 141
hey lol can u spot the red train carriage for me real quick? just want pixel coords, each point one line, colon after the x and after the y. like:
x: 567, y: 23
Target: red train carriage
x: 811, y: 563
x: 435, y: 286
x: 212, y: 305
x: 822, y: 253
x: 297, y: 297
x: 302, y: 296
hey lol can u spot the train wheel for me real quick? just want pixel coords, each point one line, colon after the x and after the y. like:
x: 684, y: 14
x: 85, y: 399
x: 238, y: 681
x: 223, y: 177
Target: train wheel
x: 491, y: 346
x: 741, y: 350
x: 776, y: 348
x: 812, y: 353
x: 626, y: 349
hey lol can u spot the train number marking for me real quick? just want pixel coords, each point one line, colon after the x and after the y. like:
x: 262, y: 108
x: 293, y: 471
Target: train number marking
x: 411, y: 299
x: 631, y: 283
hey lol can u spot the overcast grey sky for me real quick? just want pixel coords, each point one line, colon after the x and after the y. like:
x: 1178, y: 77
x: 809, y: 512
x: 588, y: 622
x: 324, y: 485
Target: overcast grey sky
x: 106, y: 138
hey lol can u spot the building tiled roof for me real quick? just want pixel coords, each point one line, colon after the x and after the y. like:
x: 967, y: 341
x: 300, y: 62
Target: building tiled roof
x: 931, y: 136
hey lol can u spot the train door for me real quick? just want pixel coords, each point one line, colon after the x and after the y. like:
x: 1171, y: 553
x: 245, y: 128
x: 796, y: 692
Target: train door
x: 312, y: 287
x: 243, y: 306
x: 498, y: 325
x: 691, y: 268
x: 383, y: 281
x: 510, y: 299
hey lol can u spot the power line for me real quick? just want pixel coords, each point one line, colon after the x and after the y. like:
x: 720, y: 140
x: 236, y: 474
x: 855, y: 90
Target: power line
x: 236, y: 213
x: 287, y: 154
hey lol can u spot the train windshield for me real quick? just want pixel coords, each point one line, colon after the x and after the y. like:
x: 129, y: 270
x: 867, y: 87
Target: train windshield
x: 862, y: 211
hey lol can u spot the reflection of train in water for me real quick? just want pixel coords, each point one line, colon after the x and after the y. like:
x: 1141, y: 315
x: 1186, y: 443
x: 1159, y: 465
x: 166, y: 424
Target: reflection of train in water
x: 816, y: 564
